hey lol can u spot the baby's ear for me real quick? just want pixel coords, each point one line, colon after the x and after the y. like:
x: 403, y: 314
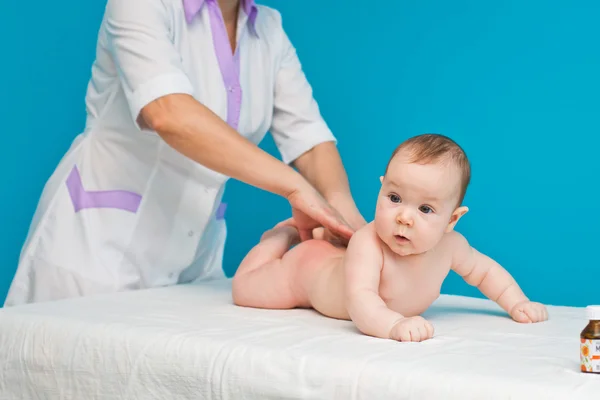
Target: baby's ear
x: 456, y: 215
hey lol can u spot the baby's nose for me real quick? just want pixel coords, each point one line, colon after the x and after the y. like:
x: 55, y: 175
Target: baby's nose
x: 404, y: 218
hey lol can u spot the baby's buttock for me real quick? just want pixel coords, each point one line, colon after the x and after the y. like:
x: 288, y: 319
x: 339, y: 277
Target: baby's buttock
x: 319, y: 278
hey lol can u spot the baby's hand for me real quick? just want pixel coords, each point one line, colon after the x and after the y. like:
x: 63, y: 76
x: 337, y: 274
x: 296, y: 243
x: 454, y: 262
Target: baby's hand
x: 527, y: 312
x: 412, y: 329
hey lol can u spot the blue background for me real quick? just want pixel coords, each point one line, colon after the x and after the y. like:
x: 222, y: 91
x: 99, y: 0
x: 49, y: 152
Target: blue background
x: 514, y: 82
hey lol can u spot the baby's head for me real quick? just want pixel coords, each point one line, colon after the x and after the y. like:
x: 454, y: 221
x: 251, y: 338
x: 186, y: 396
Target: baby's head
x: 421, y: 193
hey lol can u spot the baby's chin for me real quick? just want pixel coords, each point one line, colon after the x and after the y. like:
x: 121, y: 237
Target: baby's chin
x: 403, y: 252
x: 402, y: 247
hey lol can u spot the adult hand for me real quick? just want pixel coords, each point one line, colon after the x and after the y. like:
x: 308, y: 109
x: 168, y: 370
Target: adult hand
x: 347, y: 208
x: 310, y: 210
x: 348, y: 211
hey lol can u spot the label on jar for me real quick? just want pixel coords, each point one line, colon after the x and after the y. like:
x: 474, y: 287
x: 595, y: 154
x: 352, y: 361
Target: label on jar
x: 590, y: 355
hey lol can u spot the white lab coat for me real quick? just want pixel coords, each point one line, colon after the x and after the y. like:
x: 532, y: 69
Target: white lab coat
x: 125, y: 211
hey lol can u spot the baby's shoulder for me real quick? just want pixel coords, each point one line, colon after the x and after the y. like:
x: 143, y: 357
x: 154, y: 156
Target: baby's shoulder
x: 453, y: 238
x: 364, y: 242
x: 453, y: 244
x: 366, y: 233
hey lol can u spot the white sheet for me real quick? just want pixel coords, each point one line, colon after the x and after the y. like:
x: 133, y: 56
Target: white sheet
x: 190, y: 342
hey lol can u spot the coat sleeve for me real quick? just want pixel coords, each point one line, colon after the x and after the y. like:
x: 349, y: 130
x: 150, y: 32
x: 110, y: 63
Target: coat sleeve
x: 138, y: 35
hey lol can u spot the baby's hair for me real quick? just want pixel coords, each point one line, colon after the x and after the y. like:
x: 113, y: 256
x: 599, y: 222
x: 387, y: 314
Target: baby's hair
x: 431, y: 148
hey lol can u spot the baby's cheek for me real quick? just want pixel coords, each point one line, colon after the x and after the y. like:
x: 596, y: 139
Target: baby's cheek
x: 430, y: 237
x: 383, y: 225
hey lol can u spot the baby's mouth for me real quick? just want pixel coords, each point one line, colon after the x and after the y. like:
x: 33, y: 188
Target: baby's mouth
x: 401, y: 239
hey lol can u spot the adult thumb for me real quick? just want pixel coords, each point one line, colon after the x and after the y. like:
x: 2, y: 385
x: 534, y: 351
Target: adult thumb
x: 305, y: 234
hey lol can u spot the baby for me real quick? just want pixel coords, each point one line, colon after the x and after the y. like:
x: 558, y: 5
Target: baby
x: 393, y: 268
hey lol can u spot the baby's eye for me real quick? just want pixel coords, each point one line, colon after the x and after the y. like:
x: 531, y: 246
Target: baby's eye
x: 394, y: 198
x: 426, y: 209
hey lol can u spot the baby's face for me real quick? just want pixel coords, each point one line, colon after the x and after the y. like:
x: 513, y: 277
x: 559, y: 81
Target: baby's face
x: 417, y: 204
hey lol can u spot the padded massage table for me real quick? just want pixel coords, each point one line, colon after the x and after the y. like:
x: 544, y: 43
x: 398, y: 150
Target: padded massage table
x: 190, y: 342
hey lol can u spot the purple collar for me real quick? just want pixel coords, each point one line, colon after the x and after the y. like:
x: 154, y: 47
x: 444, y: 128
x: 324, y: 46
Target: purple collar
x: 192, y: 7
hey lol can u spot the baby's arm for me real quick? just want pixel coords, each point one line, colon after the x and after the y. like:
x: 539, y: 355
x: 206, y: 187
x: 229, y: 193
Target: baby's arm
x: 493, y: 281
x: 363, y: 263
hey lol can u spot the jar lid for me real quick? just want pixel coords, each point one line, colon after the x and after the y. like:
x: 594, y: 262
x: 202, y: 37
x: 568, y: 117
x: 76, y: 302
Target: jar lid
x: 593, y: 312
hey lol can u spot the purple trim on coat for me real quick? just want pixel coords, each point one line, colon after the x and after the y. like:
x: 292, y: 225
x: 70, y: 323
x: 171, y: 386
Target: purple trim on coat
x: 220, y: 214
x: 83, y: 199
x: 229, y: 62
x: 192, y: 7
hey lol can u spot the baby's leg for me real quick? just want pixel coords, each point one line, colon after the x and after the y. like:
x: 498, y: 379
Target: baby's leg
x: 262, y: 279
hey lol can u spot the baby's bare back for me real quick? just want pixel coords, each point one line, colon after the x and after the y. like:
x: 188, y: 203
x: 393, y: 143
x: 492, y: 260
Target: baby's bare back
x: 319, y: 279
x: 408, y: 285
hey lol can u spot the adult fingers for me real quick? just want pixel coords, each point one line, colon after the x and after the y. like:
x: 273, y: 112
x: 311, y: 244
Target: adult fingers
x: 334, y: 238
x: 311, y: 211
x: 305, y: 234
x: 336, y: 224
